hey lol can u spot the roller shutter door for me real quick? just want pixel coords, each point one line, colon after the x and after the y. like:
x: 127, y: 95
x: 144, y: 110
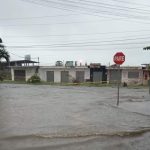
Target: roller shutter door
x: 50, y: 76
x: 19, y: 75
x: 64, y: 76
x: 80, y: 76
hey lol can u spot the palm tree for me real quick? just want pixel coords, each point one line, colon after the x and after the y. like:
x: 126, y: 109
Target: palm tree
x: 3, y: 53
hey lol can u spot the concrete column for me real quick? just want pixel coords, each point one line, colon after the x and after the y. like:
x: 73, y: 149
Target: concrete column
x: 12, y: 74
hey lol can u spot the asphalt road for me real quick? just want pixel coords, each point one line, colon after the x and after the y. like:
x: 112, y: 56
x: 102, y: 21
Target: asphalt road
x: 44, y: 117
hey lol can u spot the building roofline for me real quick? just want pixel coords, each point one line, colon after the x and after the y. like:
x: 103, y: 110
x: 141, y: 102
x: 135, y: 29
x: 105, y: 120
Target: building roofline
x: 24, y: 61
x: 126, y: 67
x: 62, y: 67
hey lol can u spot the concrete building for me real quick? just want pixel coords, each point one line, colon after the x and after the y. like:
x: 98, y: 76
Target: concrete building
x: 98, y: 73
x: 71, y: 72
x: 22, y: 73
x: 146, y: 73
x: 18, y: 66
x: 129, y: 75
x: 64, y: 74
x: 54, y: 74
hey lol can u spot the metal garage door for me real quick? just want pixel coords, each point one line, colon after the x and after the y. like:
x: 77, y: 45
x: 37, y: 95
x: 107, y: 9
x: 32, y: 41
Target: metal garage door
x: 80, y: 76
x: 50, y: 76
x: 97, y: 76
x: 19, y: 75
x: 114, y: 76
x: 64, y: 76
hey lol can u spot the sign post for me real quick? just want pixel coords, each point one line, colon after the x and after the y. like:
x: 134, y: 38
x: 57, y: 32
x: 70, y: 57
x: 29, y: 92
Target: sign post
x: 149, y: 86
x: 119, y: 59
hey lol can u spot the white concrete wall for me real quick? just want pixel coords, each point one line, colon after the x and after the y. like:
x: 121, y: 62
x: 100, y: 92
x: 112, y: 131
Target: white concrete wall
x: 57, y: 76
x: 29, y: 72
x: 72, y: 74
x: 145, y: 79
x: 12, y: 74
x: 124, y: 74
x: 42, y: 74
x: 57, y: 73
x: 132, y: 80
x: 87, y: 74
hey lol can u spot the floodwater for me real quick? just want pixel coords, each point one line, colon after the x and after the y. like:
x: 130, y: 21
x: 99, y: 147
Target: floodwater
x: 44, y: 117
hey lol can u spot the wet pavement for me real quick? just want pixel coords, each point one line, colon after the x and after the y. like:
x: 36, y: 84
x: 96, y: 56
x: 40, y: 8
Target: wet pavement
x: 43, y: 117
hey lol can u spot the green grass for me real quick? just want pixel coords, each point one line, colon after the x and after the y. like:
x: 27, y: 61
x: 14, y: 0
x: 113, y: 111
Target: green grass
x: 137, y: 86
x: 86, y: 84
x: 12, y: 82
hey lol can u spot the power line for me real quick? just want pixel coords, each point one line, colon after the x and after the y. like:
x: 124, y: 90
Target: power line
x: 78, y: 45
x: 62, y: 8
x: 37, y: 17
x: 86, y: 11
x: 81, y: 34
x: 21, y: 56
x: 51, y: 24
x: 109, y: 6
x: 96, y: 10
x: 16, y: 55
x: 92, y: 47
x: 48, y: 24
x: 41, y: 17
x: 130, y: 39
x: 84, y: 48
x: 132, y: 3
x: 91, y: 13
x: 90, y: 41
x: 107, y: 13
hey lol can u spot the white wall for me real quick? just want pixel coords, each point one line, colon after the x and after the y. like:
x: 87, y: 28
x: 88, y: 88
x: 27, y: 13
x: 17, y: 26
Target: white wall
x: 12, y: 74
x: 132, y: 80
x: 57, y: 76
x: 72, y: 74
x: 57, y: 73
x: 42, y: 74
x: 87, y: 74
x: 29, y: 72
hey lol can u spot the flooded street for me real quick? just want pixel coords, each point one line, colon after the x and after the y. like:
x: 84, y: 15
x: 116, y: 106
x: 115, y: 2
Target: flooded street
x: 44, y: 117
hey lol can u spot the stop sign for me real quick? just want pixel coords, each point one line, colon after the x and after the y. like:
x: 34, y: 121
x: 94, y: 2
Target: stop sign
x: 119, y: 58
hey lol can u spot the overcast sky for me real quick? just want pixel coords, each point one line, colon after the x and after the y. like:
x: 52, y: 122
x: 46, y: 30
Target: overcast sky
x: 78, y: 30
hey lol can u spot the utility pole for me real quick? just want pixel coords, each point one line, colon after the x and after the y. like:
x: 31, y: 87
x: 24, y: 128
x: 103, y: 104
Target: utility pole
x: 38, y: 61
x: 147, y: 48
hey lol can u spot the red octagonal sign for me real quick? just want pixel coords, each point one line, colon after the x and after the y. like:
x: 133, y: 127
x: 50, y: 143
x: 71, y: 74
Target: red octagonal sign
x: 119, y: 58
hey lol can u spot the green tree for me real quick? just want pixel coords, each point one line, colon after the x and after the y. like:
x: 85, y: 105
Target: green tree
x: 3, y: 53
x: 146, y: 48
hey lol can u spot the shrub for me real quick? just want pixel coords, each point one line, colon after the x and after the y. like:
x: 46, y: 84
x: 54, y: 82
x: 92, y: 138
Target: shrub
x: 34, y: 79
x: 125, y: 84
x: 1, y: 78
